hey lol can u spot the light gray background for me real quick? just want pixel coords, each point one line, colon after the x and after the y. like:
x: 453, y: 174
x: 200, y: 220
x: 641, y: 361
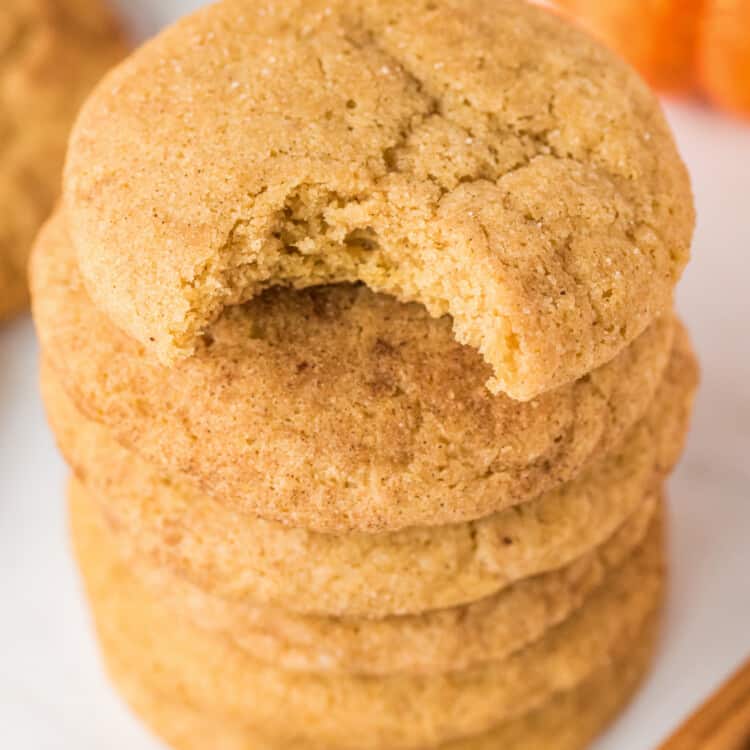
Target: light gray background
x: 53, y: 695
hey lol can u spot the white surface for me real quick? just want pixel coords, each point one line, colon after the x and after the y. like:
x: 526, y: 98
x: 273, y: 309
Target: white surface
x: 52, y: 692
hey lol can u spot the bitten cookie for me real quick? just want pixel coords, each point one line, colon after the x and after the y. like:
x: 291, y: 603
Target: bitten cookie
x: 255, y: 562
x: 335, y: 409
x: 51, y: 53
x: 485, y: 159
x: 343, y: 711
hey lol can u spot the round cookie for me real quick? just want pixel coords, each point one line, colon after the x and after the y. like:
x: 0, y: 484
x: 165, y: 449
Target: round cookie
x: 334, y: 711
x: 335, y: 409
x: 444, y: 640
x: 568, y: 721
x: 51, y: 54
x: 256, y: 562
x: 487, y: 160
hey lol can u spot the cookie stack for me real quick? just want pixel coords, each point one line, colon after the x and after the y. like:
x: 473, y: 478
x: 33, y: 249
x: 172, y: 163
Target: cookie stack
x: 51, y: 54
x: 357, y: 335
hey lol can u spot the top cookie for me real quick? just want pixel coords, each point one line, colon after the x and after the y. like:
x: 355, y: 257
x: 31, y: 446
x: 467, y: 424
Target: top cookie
x: 51, y: 53
x: 485, y: 159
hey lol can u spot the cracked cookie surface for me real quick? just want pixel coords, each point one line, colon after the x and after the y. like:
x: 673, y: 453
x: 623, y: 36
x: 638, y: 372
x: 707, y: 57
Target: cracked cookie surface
x: 488, y: 161
x: 335, y: 409
x: 262, y: 566
x: 51, y: 53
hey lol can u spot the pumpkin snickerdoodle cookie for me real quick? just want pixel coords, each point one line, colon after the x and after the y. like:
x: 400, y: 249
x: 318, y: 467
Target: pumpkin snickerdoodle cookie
x: 490, y: 162
x: 51, y: 54
x: 568, y: 721
x: 335, y: 409
x: 341, y: 711
x: 255, y: 562
x: 444, y: 640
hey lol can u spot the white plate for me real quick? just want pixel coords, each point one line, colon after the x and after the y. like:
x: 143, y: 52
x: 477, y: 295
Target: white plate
x: 53, y: 695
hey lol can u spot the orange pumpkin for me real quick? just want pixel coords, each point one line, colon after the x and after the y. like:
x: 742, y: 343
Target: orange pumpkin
x: 724, y: 58
x: 679, y: 46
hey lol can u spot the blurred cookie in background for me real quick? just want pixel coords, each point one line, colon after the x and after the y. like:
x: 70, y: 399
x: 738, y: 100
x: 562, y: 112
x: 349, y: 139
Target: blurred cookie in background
x: 52, y: 52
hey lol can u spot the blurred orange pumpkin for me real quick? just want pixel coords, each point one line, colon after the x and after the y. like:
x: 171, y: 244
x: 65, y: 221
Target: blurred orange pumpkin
x: 679, y: 46
x: 724, y: 54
